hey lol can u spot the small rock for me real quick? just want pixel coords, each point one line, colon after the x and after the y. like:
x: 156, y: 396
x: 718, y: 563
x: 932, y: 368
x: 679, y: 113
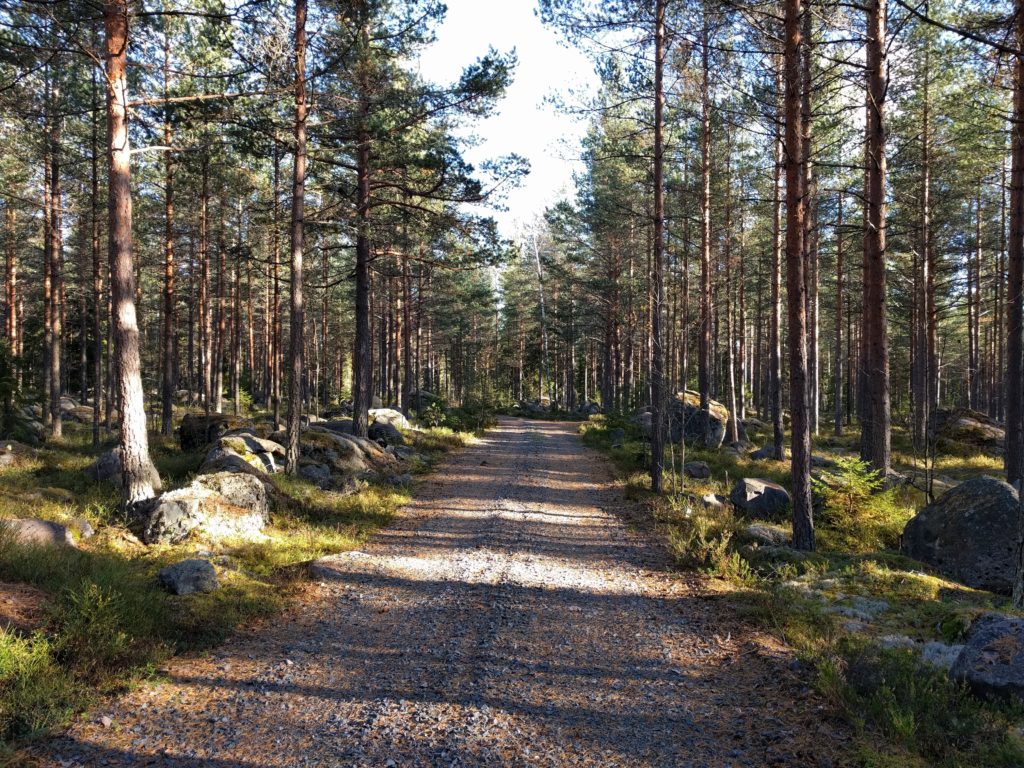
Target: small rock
x: 760, y: 498
x: 318, y: 474
x: 36, y: 532
x: 713, y: 501
x: 106, y: 721
x: 698, y: 470
x: 765, y: 453
x: 992, y: 660
x: 765, y: 535
x: 188, y: 577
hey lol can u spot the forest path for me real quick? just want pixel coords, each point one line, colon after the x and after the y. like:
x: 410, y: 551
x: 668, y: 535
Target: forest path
x: 508, y: 618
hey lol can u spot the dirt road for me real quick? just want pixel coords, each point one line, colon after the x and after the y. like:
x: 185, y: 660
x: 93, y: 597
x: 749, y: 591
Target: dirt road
x: 508, y: 619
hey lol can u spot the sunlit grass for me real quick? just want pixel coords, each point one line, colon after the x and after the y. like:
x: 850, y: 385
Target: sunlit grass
x: 108, y: 622
x: 903, y: 714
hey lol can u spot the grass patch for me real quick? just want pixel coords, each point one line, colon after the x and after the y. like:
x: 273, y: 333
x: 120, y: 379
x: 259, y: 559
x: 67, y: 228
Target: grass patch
x: 108, y: 623
x: 903, y: 712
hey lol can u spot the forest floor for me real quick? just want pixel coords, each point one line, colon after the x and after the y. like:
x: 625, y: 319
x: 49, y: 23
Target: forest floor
x: 517, y: 613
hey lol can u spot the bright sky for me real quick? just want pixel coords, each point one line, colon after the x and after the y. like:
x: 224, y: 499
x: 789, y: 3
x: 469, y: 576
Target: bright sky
x: 524, y: 125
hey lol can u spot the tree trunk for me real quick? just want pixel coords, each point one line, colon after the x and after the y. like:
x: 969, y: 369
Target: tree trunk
x: 658, y: 399
x: 140, y: 480
x: 877, y: 342
x: 295, y: 352
x: 1015, y: 300
x: 775, y: 331
x: 168, y: 378
x: 362, y: 362
x: 803, y: 522
x: 704, y: 352
x: 837, y: 410
x: 56, y: 255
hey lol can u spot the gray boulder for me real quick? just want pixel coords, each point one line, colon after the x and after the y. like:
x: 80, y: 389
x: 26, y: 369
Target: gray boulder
x: 713, y: 501
x: 966, y: 427
x: 221, y: 459
x: 968, y: 534
x: 698, y: 470
x: 765, y: 535
x: 645, y: 421
x: 223, y: 505
x: 35, y: 532
x: 198, y: 430
x: 189, y: 577
x: 701, y: 428
x: 318, y: 474
x: 244, y: 440
x: 760, y: 498
x: 385, y: 433
x: 107, y: 466
x: 765, y: 453
x: 389, y: 416
x: 992, y: 661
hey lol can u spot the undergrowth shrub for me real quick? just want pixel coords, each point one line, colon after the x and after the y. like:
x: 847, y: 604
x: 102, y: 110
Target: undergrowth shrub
x: 471, y: 416
x: 702, y: 539
x: 916, y: 706
x: 855, y: 513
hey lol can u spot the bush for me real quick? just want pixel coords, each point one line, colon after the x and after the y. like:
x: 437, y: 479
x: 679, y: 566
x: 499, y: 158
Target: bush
x: 857, y: 514
x: 472, y: 416
x: 917, y: 707
x: 432, y: 416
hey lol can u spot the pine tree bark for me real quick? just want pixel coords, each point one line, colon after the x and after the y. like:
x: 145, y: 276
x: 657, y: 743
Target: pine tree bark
x: 877, y: 446
x: 140, y: 480
x: 296, y: 352
x: 658, y: 398
x: 775, y: 331
x: 1015, y: 300
x: 1014, y: 460
x: 924, y: 368
x: 704, y: 350
x: 803, y: 522
x: 362, y: 362
x: 837, y: 410
x: 168, y: 383
x: 55, y: 252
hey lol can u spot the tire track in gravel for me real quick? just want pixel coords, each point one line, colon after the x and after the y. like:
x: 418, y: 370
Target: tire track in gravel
x: 508, y: 618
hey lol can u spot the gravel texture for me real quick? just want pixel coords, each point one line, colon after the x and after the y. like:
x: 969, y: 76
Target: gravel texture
x: 509, y: 618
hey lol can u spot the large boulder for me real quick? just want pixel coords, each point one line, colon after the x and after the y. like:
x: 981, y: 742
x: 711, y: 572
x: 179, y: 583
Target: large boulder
x: 389, y: 416
x: 219, y: 459
x: 701, y: 428
x: 760, y: 498
x: 385, y: 434
x: 345, y: 453
x: 107, y: 466
x: 968, y: 534
x: 244, y: 451
x: 992, y: 660
x: 963, y: 426
x: 198, y: 430
x: 35, y: 532
x: 698, y: 470
x: 189, y: 577
x: 224, y: 505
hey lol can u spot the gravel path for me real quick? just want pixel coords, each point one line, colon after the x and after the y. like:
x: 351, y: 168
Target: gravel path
x: 508, y: 619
